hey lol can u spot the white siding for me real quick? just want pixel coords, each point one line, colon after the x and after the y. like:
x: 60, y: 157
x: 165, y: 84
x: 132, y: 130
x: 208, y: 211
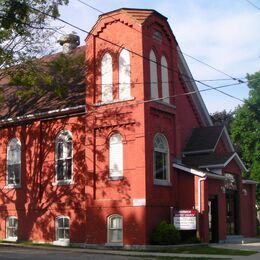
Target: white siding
x: 124, y: 75
x: 107, y: 78
x: 165, y: 80
x: 115, y: 156
x: 153, y: 75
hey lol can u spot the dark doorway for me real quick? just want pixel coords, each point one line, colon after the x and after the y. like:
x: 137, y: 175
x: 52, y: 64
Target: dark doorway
x: 232, y: 214
x: 213, y: 219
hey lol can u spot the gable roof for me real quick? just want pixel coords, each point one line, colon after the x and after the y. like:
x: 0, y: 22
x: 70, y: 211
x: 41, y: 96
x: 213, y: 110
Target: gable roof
x: 205, y: 139
x: 213, y: 160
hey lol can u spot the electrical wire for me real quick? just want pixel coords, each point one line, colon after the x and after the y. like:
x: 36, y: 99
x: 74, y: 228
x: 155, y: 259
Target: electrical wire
x: 188, y: 55
x: 252, y: 4
x: 133, y: 52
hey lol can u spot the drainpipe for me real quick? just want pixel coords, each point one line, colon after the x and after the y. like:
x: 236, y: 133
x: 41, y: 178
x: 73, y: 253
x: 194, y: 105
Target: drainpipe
x: 203, y: 178
x: 199, y: 191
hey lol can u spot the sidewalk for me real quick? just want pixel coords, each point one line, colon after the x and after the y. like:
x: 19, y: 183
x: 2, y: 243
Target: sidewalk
x: 123, y: 252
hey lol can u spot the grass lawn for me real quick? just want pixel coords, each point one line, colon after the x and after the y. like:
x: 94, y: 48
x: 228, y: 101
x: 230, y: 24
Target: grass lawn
x: 204, y: 249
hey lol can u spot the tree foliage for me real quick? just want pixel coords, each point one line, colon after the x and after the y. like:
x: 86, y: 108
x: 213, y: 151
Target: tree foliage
x: 25, y: 29
x: 55, y: 75
x: 245, y: 130
x: 223, y: 118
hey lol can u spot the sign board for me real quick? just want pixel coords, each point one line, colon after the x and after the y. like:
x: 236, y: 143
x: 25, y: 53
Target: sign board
x: 139, y: 202
x: 185, y: 219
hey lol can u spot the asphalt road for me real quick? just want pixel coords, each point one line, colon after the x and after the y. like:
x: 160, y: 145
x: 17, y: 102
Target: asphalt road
x: 7, y: 252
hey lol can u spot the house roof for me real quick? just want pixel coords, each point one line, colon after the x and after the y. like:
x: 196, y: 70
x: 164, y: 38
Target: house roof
x: 203, y: 139
x: 207, y: 160
x: 13, y: 106
x: 213, y: 160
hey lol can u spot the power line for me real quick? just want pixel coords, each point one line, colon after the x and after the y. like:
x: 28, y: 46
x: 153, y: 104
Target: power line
x: 167, y: 97
x: 133, y: 52
x: 255, y: 6
x: 188, y: 55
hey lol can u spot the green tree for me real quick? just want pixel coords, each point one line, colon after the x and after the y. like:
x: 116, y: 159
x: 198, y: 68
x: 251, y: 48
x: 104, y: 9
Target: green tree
x: 24, y: 31
x: 245, y: 129
x: 223, y: 118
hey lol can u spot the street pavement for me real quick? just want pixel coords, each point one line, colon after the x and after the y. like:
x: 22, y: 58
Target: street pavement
x: 28, y: 252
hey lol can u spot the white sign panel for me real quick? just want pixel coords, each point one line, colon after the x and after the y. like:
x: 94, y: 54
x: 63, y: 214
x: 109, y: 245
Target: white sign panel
x: 185, y: 220
x: 139, y: 202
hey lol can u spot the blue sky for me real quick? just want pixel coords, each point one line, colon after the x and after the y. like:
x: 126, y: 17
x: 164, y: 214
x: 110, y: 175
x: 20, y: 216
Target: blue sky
x: 223, y: 33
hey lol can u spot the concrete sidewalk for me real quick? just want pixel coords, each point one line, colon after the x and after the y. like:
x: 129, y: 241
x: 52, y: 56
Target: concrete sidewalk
x: 129, y: 253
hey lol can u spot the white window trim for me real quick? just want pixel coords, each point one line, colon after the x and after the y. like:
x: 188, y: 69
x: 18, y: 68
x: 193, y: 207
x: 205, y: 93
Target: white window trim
x: 13, y: 185
x: 61, y: 242
x: 119, y: 174
x: 165, y: 81
x: 167, y: 181
x: 110, y: 243
x: 68, y: 181
x: 154, y: 84
x: 113, y: 101
x: 106, y: 78
x: 10, y: 238
x: 124, y: 89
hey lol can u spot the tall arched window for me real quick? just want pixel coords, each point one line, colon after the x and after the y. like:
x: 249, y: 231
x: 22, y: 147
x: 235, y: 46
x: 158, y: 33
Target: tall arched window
x: 153, y: 75
x: 14, y: 162
x: 165, y: 80
x: 115, y: 156
x: 107, y: 78
x: 124, y: 75
x: 63, y: 156
x: 161, y: 158
x: 11, y: 228
x: 115, y: 229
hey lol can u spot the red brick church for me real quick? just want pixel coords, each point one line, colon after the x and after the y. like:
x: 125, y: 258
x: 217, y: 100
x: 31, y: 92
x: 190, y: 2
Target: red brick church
x: 123, y: 151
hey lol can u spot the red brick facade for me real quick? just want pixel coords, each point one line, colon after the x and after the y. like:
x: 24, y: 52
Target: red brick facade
x: 137, y: 197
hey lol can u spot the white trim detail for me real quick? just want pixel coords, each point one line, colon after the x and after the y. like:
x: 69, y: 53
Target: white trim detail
x: 250, y: 182
x: 42, y: 114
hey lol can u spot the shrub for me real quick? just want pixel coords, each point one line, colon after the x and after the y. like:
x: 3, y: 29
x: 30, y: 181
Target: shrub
x: 165, y: 234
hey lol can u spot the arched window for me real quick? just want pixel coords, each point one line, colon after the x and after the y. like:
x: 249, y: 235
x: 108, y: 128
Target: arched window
x: 115, y: 156
x: 124, y: 75
x: 161, y: 158
x: 115, y: 229
x: 165, y: 80
x: 63, y: 156
x: 62, y: 228
x: 153, y: 75
x: 107, y: 78
x: 14, y: 162
x: 11, y: 228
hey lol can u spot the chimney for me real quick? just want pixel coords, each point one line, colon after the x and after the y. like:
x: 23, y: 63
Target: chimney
x: 69, y: 42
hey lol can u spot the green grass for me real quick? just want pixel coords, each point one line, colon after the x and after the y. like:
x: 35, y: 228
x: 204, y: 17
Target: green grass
x: 207, y: 250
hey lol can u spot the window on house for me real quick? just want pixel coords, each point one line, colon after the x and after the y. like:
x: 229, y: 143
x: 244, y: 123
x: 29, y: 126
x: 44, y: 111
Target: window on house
x: 115, y: 229
x: 107, y: 78
x: 153, y: 75
x: 62, y: 228
x: 124, y: 75
x: 11, y: 228
x: 165, y: 80
x: 14, y: 162
x: 161, y: 158
x: 64, y: 147
x: 115, y: 156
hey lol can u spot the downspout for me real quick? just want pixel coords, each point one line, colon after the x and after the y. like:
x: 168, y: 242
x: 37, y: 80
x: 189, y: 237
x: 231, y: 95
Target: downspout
x: 199, y: 191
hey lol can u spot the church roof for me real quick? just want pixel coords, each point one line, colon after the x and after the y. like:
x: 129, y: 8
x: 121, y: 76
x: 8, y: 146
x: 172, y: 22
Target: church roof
x: 13, y: 105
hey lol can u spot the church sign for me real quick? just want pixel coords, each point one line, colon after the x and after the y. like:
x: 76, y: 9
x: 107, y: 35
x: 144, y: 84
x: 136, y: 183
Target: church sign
x: 185, y: 219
